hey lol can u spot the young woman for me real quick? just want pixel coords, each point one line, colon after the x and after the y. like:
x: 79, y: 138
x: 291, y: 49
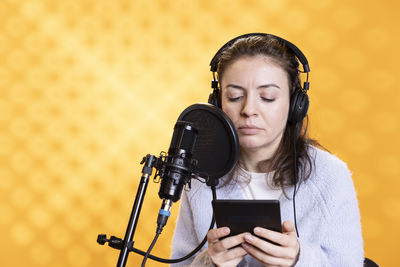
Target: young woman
x: 258, y: 76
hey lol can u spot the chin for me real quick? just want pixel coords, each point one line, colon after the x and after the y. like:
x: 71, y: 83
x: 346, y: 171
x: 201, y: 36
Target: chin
x: 253, y: 143
x: 248, y: 145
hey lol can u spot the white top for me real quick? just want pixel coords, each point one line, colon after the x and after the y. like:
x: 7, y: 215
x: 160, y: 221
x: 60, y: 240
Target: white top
x: 260, y: 186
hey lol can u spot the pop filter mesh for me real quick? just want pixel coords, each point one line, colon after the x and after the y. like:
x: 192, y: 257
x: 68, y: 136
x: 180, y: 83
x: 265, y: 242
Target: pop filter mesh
x: 217, y: 146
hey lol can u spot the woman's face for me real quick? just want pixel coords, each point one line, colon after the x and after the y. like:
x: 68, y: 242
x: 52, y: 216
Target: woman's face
x: 255, y: 96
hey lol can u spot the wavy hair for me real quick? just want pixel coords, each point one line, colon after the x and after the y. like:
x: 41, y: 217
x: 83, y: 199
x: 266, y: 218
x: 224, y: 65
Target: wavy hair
x: 295, y: 141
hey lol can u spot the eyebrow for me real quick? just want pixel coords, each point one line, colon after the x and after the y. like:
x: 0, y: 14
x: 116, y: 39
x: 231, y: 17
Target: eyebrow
x: 258, y: 87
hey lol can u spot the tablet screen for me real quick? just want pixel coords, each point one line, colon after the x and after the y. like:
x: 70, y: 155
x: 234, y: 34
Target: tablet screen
x: 243, y: 215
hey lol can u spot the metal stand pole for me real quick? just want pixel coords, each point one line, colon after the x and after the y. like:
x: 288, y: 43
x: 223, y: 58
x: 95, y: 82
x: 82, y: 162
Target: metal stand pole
x: 130, y: 231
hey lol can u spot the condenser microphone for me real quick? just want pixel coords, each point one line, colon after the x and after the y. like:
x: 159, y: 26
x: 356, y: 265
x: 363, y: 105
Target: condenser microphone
x: 178, y: 166
x: 177, y: 169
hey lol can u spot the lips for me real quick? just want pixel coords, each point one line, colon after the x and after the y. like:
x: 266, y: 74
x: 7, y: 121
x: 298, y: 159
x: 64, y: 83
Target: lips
x: 249, y: 129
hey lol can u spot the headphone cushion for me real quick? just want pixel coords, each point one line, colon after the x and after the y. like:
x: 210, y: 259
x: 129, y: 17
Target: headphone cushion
x: 299, y: 104
x: 215, y: 98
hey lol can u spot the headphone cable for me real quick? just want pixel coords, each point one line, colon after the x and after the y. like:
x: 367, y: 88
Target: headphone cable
x: 295, y: 180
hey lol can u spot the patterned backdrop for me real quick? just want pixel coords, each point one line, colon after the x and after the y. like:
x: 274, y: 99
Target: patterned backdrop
x: 87, y: 88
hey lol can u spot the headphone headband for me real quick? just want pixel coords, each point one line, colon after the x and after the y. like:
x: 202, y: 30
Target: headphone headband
x: 303, y: 60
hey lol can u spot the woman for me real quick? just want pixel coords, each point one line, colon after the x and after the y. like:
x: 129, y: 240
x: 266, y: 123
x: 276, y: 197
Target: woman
x: 258, y: 76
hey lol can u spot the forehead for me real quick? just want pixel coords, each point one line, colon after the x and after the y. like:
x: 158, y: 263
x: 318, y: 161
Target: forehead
x: 254, y: 68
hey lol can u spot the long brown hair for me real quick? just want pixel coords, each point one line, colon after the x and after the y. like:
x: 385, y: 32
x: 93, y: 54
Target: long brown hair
x: 295, y: 142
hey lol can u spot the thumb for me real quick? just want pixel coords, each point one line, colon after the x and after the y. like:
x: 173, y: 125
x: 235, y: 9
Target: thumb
x: 288, y: 227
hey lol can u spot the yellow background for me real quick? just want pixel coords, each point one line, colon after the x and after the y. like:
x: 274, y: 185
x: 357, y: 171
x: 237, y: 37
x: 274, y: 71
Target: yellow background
x: 87, y: 88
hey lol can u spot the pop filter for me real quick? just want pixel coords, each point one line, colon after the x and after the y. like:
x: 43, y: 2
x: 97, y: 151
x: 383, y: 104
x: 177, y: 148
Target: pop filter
x: 217, y: 144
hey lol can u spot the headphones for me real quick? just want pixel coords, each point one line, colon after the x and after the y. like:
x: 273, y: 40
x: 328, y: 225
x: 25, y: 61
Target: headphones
x: 299, y: 102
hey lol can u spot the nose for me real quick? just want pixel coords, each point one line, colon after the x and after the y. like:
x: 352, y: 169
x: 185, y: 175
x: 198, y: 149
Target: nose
x: 249, y: 107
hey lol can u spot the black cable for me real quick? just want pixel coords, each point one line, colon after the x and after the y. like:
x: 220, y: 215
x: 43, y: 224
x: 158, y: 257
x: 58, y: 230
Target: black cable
x: 150, y: 248
x: 294, y: 207
x: 295, y: 180
x: 138, y: 251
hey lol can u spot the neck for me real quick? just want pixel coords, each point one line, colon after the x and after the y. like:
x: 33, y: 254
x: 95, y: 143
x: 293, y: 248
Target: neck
x: 251, y: 159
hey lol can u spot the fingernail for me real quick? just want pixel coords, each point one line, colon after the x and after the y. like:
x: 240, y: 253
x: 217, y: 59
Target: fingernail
x: 257, y: 230
x: 226, y: 230
x: 249, y: 238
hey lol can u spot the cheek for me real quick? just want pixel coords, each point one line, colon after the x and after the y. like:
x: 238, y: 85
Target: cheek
x: 278, y: 115
x: 285, y: 112
x: 231, y: 113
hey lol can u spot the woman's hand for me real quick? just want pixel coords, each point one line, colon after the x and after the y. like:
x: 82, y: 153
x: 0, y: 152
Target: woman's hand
x: 225, y: 252
x: 273, y: 255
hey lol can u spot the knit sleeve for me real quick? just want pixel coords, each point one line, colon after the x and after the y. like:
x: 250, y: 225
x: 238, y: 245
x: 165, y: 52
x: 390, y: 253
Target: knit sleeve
x: 185, y: 239
x: 341, y: 241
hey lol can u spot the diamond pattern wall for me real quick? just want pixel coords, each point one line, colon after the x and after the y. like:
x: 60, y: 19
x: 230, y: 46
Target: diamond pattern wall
x: 87, y: 88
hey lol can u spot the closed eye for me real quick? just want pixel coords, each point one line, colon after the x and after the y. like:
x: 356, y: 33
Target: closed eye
x: 268, y: 99
x: 234, y: 99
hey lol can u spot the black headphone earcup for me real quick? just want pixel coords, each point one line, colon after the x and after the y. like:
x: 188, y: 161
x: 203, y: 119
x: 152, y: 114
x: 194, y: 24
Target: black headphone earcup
x: 299, y: 104
x: 215, y: 98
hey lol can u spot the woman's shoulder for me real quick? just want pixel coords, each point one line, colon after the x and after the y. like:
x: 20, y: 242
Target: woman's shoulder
x: 324, y: 161
x: 329, y: 172
x: 330, y: 182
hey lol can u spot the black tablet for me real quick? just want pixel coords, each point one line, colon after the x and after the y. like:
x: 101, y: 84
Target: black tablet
x: 243, y: 215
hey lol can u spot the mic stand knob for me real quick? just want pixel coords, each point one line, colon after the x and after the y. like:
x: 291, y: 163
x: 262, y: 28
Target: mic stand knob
x: 113, y: 242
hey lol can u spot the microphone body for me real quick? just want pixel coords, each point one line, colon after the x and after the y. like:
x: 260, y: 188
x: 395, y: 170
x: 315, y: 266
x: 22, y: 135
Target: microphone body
x: 178, y: 167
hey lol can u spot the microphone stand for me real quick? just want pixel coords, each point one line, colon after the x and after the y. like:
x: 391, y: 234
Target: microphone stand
x: 126, y: 244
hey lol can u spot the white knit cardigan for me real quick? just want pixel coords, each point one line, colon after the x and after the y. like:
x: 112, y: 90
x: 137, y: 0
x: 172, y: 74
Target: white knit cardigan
x: 327, y: 213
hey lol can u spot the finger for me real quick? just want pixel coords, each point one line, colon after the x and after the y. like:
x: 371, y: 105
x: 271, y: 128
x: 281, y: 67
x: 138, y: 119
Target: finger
x: 231, y: 257
x: 233, y: 241
x: 229, y: 242
x: 234, y: 253
x: 267, y: 247
x: 215, y: 234
x: 266, y: 259
x: 284, y: 240
x: 288, y: 227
